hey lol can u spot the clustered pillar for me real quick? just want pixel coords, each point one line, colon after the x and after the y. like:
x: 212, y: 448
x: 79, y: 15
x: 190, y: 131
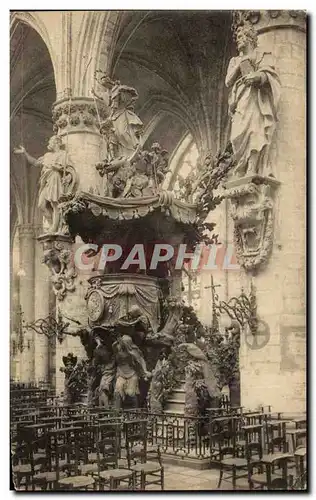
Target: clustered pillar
x: 276, y: 373
x: 27, y: 282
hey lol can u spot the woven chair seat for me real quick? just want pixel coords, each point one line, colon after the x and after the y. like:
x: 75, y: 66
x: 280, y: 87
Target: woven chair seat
x: 47, y: 476
x: 261, y: 479
x: 238, y: 462
x: 149, y: 448
x: 300, y: 452
x: 273, y: 457
x: 148, y: 467
x: 116, y: 474
x: 88, y: 468
x: 76, y: 481
x: 41, y: 455
x: 25, y: 468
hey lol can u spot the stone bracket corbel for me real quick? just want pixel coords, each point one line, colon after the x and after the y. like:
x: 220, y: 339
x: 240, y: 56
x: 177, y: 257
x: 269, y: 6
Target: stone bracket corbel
x: 58, y: 256
x: 252, y: 210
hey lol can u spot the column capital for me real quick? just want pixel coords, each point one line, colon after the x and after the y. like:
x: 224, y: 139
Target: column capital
x: 78, y: 114
x: 26, y: 230
x: 266, y: 20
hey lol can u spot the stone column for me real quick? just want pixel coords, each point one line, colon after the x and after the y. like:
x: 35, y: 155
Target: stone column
x: 77, y: 121
x: 275, y: 373
x: 44, y: 305
x: 27, y: 253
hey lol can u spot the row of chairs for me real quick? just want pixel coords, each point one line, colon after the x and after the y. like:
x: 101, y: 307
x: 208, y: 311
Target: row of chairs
x: 111, y: 454
x: 256, y: 449
x: 230, y: 432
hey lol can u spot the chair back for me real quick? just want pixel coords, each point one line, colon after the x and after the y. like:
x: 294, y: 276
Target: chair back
x: 135, y: 435
x: 254, y: 441
x: 108, y: 445
x: 223, y: 436
x: 275, y: 433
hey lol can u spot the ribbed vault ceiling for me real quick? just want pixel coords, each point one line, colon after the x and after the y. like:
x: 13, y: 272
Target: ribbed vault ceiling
x: 177, y: 61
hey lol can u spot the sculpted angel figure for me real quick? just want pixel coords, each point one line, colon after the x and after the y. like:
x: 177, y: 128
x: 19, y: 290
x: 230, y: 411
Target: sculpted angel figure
x: 58, y: 178
x: 198, y: 367
x: 254, y: 98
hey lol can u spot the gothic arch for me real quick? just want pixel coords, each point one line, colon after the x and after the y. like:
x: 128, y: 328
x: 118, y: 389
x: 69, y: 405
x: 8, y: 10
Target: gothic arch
x: 176, y: 158
x: 32, y: 19
x: 33, y: 91
x: 95, y: 48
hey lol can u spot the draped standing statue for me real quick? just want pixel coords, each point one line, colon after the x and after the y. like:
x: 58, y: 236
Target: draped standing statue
x: 198, y: 369
x: 127, y: 126
x: 58, y: 178
x: 253, y: 103
x: 130, y: 367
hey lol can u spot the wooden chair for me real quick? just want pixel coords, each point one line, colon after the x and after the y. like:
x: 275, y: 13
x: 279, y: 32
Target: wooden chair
x: 24, y: 466
x: 224, y: 430
x: 57, y: 448
x: 297, y: 438
x: 237, y: 467
x: 73, y: 443
x: 301, y: 467
x: 270, y: 479
x: 222, y: 437
x: 275, y: 432
x: 108, y: 475
x: 137, y: 454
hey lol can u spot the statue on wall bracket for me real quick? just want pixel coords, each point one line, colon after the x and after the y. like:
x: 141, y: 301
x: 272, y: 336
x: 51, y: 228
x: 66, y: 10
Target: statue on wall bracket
x: 58, y: 181
x: 254, y: 95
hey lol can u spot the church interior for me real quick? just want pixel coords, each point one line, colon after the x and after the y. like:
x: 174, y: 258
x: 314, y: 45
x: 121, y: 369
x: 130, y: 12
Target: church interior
x: 157, y: 250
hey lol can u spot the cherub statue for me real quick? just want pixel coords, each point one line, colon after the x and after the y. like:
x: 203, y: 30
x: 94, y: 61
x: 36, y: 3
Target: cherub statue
x: 254, y: 98
x: 58, y: 179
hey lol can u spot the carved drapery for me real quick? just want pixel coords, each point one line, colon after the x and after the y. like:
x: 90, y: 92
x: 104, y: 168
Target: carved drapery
x: 109, y: 298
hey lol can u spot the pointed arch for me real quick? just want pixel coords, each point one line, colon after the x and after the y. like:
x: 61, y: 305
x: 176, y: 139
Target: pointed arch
x: 33, y: 20
x: 98, y: 33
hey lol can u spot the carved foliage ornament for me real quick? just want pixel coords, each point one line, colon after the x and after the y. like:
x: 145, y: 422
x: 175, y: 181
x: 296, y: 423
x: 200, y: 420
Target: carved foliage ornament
x: 264, y: 17
x: 79, y: 114
x: 58, y: 257
x: 252, y: 212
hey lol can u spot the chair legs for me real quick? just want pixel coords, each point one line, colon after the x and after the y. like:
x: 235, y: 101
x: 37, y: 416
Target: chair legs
x: 234, y: 472
x: 220, y: 477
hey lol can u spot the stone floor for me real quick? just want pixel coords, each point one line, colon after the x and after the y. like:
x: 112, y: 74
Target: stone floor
x: 187, y: 479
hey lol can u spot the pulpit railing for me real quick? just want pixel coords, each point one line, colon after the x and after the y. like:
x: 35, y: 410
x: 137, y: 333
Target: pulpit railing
x: 176, y: 434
